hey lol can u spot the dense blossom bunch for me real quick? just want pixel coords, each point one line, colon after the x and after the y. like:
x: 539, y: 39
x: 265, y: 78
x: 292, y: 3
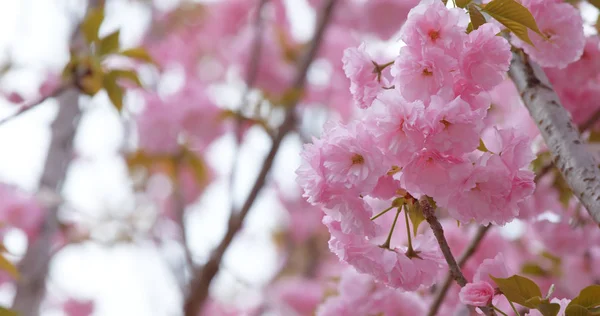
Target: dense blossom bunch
x: 422, y: 137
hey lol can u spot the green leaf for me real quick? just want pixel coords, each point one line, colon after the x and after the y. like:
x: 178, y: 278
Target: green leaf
x: 462, y: 3
x: 138, y: 53
x: 576, y: 310
x: 518, y: 289
x: 114, y: 91
x: 415, y: 214
x: 7, y: 312
x: 588, y: 297
x: 594, y: 136
x: 109, y: 44
x: 595, y: 3
x: 470, y: 28
x: 130, y: 75
x: 91, y: 24
x: 197, y: 165
x: 477, y: 19
x: 534, y: 269
x: 482, y: 146
x: 8, y: 267
x: 549, y: 309
x: 514, y: 16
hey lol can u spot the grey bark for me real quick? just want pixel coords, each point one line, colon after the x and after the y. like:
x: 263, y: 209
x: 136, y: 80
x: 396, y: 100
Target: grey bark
x: 569, y: 152
x: 33, y: 268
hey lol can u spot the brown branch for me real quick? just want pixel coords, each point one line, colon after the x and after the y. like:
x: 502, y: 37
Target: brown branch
x: 202, y: 280
x: 31, y: 287
x: 27, y: 107
x: 438, y: 231
x: 569, y: 152
x: 467, y: 253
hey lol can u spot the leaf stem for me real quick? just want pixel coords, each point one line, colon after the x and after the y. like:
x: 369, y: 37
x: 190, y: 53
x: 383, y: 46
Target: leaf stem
x: 513, y: 307
x: 381, y: 213
x: 499, y: 310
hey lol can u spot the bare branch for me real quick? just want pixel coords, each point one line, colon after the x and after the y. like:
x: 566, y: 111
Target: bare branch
x: 27, y: 107
x: 569, y: 152
x: 202, y: 280
x: 31, y: 288
x: 467, y: 253
x: 438, y: 231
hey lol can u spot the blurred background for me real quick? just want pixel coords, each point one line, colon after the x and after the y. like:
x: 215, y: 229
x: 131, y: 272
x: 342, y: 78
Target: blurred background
x: 132, y: 187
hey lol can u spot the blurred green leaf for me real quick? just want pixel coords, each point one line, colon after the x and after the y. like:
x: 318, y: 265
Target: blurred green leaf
x: 91, y: 24
x: 462, y: 3
x: 197, y: 165
x: 577, y: 310
x: 482, y: 146
x: 534, y: 269
x: 477, y: 19
x: 589, y: 297
x: 9, y: 267
x: 114, y: 91
x: 514, y: 16
x: 548, y: 309
x: 519, y: 289
x: 109, y: 44
x: 138, y: 53
x: 7, y: 312
x: 130, y: 75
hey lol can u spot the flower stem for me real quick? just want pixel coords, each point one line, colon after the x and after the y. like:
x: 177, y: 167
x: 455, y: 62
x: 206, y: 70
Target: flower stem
x: 386, y: 244
x: 499, y: 310
x: 513, y: 307
x: 381, y: 213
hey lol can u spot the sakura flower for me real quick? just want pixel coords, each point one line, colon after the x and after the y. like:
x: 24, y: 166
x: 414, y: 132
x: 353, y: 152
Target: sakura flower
x: 431, y: 24
x: 476, y: 294
x: 363, y: 74
x: 495, y: 267
x: 385, y: 17
x: 562, y: 25
x: 486, y: 57
x: 358, y: 294
x: 73, y: 307
x: 420, y: 75
x: 455, y: 127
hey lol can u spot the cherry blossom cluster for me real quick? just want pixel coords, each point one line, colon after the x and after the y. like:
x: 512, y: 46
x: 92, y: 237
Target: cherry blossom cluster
x: 420, y: 136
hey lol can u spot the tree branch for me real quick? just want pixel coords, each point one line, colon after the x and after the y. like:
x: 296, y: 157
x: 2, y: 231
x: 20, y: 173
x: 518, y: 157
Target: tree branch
x: 438, y: 232
x: 31, y: 287
x: 467, y: 253
x: 27, y: 107
x: 201, y: 283
x: 562, y: 137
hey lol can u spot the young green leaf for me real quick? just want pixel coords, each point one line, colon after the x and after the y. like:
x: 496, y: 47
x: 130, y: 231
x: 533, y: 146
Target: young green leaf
x: 7, y: 312
x: 576, y: 310
x: 138, y: 53
x: 114, y: 91
x: 514, y: 16
x: 588, y: 297
x: 416, y: 216
x: 130, y: 75
x: 7, y: 266
x: 519, y: 289
x: 197, y: 165
x: 109, y: 44
x: 477, y: 19
x: 462, y: 3
x: 548, y: 309
x: 91, y: 24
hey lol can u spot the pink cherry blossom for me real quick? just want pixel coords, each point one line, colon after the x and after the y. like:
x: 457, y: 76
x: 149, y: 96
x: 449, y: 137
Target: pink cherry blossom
x: 20, y: 210
x: 431, y: 24
x: 495, y: 267
x: 562, y: 24
x: 476, y: 294
x: 486, y: 57
x: 385, y: 17
x: 73, y: 307
x: 363, y: 74
x: 420, y: 75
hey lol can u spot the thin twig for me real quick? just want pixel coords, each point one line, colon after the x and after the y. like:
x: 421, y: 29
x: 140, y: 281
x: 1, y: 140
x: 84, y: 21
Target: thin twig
x: 569, y: 151
x: 202, y: 280
x: 27, y: 107
x: 438, y: 232
x: 467, y: 253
